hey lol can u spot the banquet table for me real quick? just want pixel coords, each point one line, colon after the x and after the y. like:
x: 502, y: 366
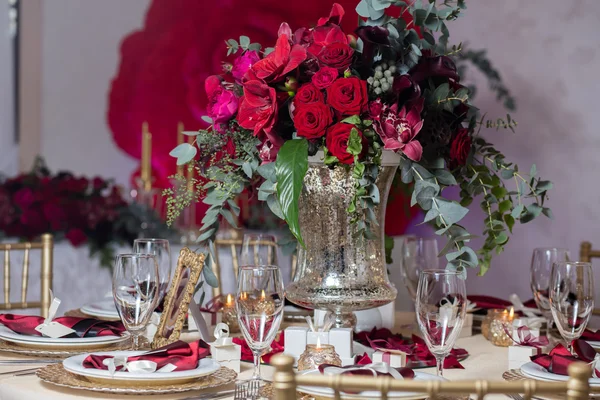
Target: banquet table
x: 485, y: 361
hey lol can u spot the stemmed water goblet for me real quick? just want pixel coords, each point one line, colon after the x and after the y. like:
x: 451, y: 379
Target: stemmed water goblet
x: 571, y: 298
x: 441, y: 306
x: 135, y: 285
x: 259, y: 249
x: 161, y: 249
x: 259, y: 305
x: 542, y: 260
x: 418, y: 254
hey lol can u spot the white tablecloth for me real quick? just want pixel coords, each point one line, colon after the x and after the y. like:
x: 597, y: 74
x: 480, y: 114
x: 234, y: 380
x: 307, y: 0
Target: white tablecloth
x: 486, y: 361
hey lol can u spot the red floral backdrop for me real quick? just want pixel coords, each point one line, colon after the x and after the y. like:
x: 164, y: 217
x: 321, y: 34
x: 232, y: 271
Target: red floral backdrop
x: 163, y: 67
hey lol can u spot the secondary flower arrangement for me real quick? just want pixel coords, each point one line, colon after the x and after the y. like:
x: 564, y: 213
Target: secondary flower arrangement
x: 81, y: 210
x: 392, y: 85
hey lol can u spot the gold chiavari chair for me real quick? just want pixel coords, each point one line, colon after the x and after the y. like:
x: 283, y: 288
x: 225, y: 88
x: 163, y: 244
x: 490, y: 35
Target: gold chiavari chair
x: 46, y: 245
x: 586, y: 254
x: 285, y: 383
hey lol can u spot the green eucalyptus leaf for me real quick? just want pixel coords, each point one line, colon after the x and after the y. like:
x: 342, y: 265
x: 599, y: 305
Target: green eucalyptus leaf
x: 206, y: 235
x: 229, y: 217
x: 267, y: 171
x: 244, y: 42
x: 290, y: 168
x: 421, y: 186
x: 544, y: 185
x: 254, y: 46
x: 499, y: 191
x: 548, y: 212
x: 209, y: 277
x: 504, y: 206
x: 445, y: 177
x: 431, y: 215
x: 509, y: 221
x: 517, y: 211
x: 269, y: 50
x: 451, y: 210
x: 362, y: 9
x: 234, y: 207
x: 533, y: 171
x: 421, y: 172
x: 441, y: 92
x: 274, y: 206
x: 184, y: 153
x: 207, y: 119
x: 416, y: 49
x: 501, y: 239
x: 534, y: 209
x: 215, y: 197
x: 247, y: 168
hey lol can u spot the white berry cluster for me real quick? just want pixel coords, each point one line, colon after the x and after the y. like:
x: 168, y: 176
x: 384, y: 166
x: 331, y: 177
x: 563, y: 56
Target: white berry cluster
x: 381, y: 81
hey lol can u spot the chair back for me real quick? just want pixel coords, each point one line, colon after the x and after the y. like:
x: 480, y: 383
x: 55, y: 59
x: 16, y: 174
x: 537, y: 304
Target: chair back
x: 286, y: 382
x: 46, y: 245
x: 586, y: 253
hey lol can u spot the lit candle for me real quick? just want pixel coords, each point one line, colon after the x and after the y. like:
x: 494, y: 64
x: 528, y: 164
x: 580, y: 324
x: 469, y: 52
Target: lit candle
x: 180, y: 141
x: 229, y: 301
x: 499, y: 326
x: 146, y: 169
x: 318, y: 343
x: 262, y: 295
x: 230, y: 315
x: 511, y: 315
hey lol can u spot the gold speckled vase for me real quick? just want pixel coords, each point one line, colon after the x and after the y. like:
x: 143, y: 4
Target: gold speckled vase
x: 340, y: 270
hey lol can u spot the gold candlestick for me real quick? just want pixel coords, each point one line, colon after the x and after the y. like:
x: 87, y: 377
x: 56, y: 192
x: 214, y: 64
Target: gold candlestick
x: 146, y: 169
x: 180, y: 141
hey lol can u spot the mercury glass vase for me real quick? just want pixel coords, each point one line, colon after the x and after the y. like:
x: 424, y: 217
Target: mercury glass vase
x: 340, y: 270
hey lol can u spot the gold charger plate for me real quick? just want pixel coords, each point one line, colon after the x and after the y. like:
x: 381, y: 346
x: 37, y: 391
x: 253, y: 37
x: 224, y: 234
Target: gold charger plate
x: 55, y: 374
x: 63, y: 352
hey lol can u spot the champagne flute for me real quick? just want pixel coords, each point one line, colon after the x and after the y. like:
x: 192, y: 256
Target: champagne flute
x: 441, y: 307
x: 259, y: 249
x: 418, y: 254
x: 161, y: 249
x: 571, y: 298
x: 541, y: 270
x: 259, y: 305
x: 135, y: 291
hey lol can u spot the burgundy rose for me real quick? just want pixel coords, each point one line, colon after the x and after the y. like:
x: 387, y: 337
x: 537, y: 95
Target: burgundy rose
x: 324, y: 77
x: 98, y: 183
x: 243, y: 63
x: 460, y: 148
x: 397, y: 129
x: 258, y: 110
x: 24, y: 198
x: 76, y: 236
x: 336, y: 55
x: 54, y: 214
x: 337, y: 141
x: 312, y: 120
x: 308, y: 93
x: 348, y: 95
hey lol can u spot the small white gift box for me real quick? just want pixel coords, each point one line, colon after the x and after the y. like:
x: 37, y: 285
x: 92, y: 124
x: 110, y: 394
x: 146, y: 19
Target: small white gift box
x: 467, y: 329
x: 341, y: 339
x: 313, y: 337
x: 295, y: 341
x: 224, y: 351
x: 519, y: 355
x: 393, y: 358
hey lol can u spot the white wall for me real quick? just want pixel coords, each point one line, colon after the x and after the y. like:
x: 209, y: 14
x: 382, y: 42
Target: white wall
x: 8, y: 149
x: 546, y: 50
x: 81, y: 42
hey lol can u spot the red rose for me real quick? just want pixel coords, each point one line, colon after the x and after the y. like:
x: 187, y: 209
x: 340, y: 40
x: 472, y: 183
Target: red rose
x: 24, y: 198
x: 307, y: 94
x: 337, y: 141
x: 336, y: 55
x: 311, y: 120
x: 324, y: 77
x: 258, y: 109
x: 76, y: 236
x: 348, y: 95
x: 460, y: 148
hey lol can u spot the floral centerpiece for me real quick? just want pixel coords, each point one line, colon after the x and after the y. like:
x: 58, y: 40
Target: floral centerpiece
x: 390, y: 86
x: 84, y: 211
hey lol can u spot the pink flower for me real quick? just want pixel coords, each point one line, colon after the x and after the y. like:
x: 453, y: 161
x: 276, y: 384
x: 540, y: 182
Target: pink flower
x: 398, y: 129
x: 222, y: 103
x: 243, y: 63
x: 268, y: 152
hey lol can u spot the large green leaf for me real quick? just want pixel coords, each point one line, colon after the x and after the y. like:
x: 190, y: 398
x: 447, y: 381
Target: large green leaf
x: 290, y: 168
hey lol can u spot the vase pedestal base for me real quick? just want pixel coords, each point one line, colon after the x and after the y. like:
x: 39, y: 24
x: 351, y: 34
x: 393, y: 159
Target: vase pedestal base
x: 341, y: 319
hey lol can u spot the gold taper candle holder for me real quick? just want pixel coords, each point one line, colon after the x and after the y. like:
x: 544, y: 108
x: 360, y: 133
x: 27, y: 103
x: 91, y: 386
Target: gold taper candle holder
x: 317, y: 354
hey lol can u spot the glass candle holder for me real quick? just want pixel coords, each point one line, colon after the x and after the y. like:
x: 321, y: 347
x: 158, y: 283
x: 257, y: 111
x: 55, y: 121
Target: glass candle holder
x: 498, y: 327
x: 485, y: 324
x: 315, y: 355
x: 230, y: 315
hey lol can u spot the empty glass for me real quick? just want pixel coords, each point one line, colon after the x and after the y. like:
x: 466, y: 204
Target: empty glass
x: 259, y: 306
x: 162, y: 251
x: 135, y: 291
x: 259, y: 249
x: 541, y: 269
x: 571, y: 298
x: 441, y: 307
x: 418, y: 254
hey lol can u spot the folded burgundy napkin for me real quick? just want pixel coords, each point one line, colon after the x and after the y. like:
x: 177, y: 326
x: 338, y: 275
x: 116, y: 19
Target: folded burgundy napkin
x: 83, y: 327
x: 591, y: 335
x: 184, y: 356
x: 559, y: 358
x: 277, y: 346
x: 376, y: 369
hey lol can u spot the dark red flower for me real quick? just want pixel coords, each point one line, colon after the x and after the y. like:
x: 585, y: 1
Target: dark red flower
x: 308, y: 93
x: 324, y: 77
x: 24, y: 198
x: 336, y: 55
x: 278, y: 63
x: 348, y: 95
x: 258, y: 110
x: 328, y: 31
x: 337, y: 141
x: 405, y: 88
x: 76, y: 236
x: 373, y: 38
x: 311, y: 120
x: 460, y: 148
x: 242, y: 64
x: 268, y: 152
x: 434, y: 66
x: 99, y: 183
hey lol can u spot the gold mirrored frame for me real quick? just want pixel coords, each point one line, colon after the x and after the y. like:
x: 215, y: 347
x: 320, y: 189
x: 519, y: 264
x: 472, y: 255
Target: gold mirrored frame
x: 187, y: 261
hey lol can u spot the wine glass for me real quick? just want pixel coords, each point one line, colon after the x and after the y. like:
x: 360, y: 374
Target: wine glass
x: 259, y: 305
x: 571, y: 298
x: 135, y: 291
x: 541, y: 269
x: 441, y: 307
x: 259, y: 249
x: 162, y: 251
x: 418, y: 254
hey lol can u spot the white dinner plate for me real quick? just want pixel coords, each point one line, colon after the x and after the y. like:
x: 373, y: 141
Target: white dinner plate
x: 104, y: 309
x: 533, y: 370
x: 46, y: 342
x: 369, y: 394
x: 206, y: 366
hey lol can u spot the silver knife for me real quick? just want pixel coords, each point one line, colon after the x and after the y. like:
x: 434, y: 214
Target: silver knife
x: 31, y: 362
x: 20, y: 372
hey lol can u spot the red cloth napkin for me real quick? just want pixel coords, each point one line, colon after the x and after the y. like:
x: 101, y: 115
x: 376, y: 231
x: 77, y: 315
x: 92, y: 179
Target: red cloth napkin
x: 277, y: 346
x: 415, y: 348
x: 84, y: 327
x: 184, y: 356
x: 559, y: 358
x: 591, y: 335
